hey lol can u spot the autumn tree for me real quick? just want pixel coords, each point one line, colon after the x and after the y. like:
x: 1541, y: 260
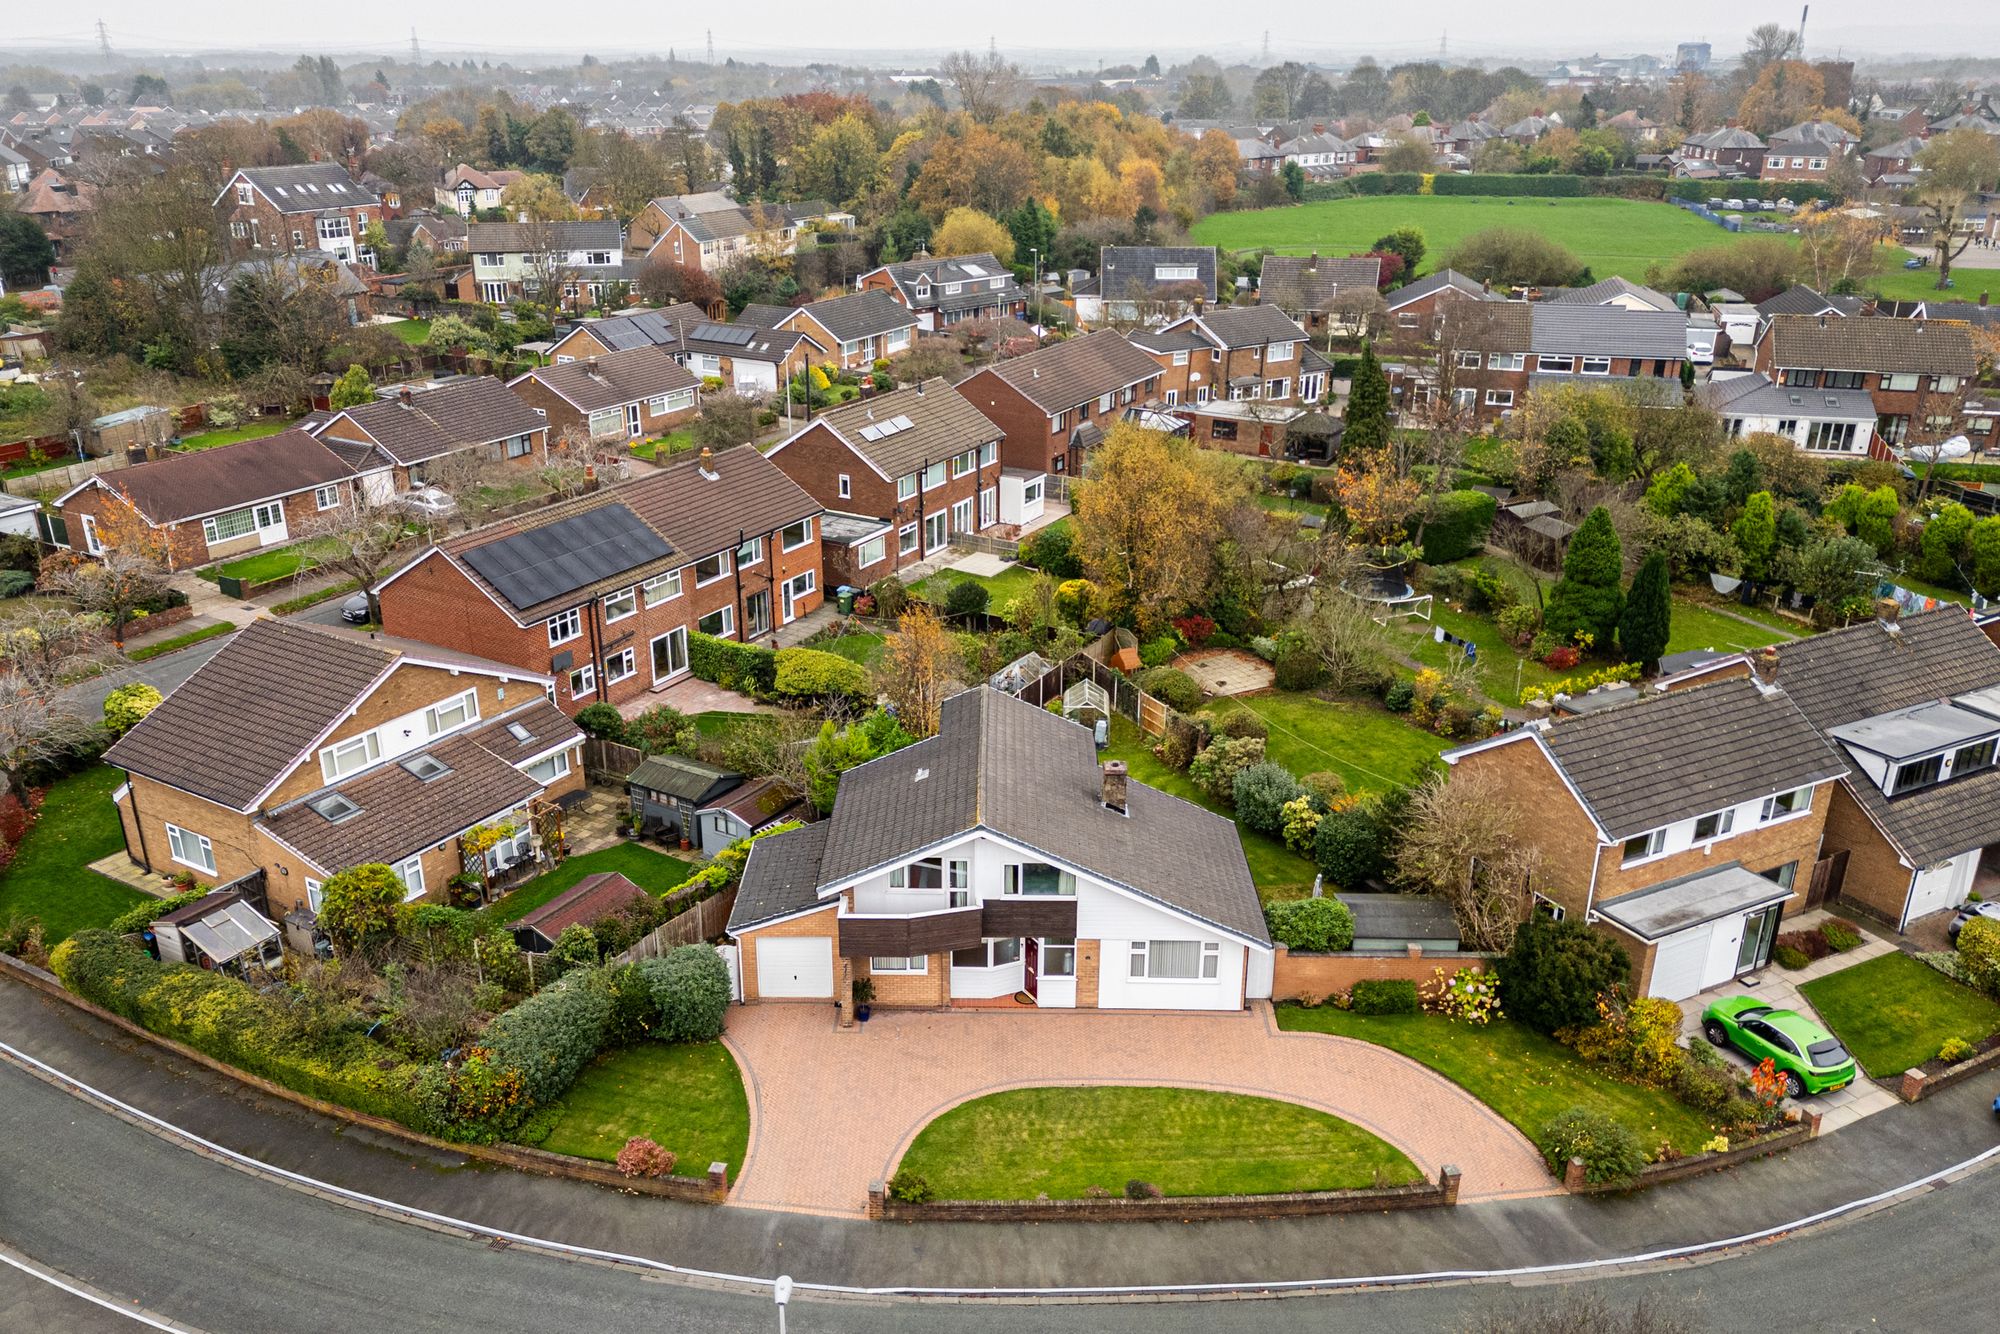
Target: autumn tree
x: 1150, y: 515
x: 840, y: 162
x: 160, y: 245
x: 976, y: 169
x: 986, y: 85
x: 1466, y: 841
x: 1955, y: 167
x: 1785, y: 93
x: 967, y: 231
x: 128, y: 574
x: 919, y: 664
x: 538, y: 198
x: 1378, y: 503
x: 663, y: 283
x: 1409, y: 152
x: 1836, y: 248
x: 44, y: 648
x: 1507, y: 256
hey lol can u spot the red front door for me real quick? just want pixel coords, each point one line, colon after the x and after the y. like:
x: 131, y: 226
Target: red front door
x: 1031, y: 956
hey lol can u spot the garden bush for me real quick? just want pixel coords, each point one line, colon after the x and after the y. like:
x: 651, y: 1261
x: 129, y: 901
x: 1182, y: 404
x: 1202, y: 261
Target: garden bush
x: 1554, y: 972
x: 1788, y: 956
x: 13, y: 583
x: 140, y: 916
x: 910, y: 1187
x: 1260, y: 793
x: 1243, y: 722
x: 691, y: 987
x: 1158, y: 652
x: 1811, y: 944
x: 127, y: 704
x: 634, y: 1013
x: 1299, y: 822
x: 1053, y: 551
x: 1399, y: 696
x: 1639, y: 1036
x: 1172, y: 687
x: 601, y: 720
x: 664, y: 730
x: 1705, y: 1085
x: 1319, y: 926
x: 642, y: 1158
x: 1214, y: 770
x: 1608, y: 1150
x: 813, y: 676
x: 891, y: 597
x: 551, y: 1036
x: 967, y: 598
x: 750, y: 668
x: 1954, y: 1050
x: 1840, y: 936
x: 1348, y: 847
x: 1296, y: 667
x: 1519, y: 624
x: 1979, y: 954
x: 1385, y: 996
x: 1457, y: 525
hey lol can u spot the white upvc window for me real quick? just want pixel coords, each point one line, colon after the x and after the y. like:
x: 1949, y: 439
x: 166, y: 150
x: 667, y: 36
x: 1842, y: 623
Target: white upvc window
x: 1280, y: 352
x: 869, y: 552
x: 750, y: 553
x: 846, y: 487
x: 1175, y: 960
x: 91, y: 543
x: 619, y: 665
x: 1506, y: 361
x: 1714, y: 825
x: 1786, y: 803
x: 245, y: 194
x: 548, y: 770
x: 619, y: 605
x: 657, y: 406
x: 915, y: 963
x: 441, y: 718
x: 663, y: 587
x: 411, y: 872
x: 1499, y: 398
x: 934, y: 476
x: 898, y: 339
x: 720, y: 623
x: 349, y: 756
x: 906, y: 539
x: 1468, y: 361
x: 520, y: 446
x: 989, y: 453
x: 796, y: 535
x: 191, y: 849
x: 327, y: 497
x: 1642, y: 846
x: 583, y: 681
x: 1595, y: 366
x: 1181, y: 357
x: 312, y: 895
x: 961, y: 464
x: 711, y: 568
x: 906, y: 487
x: 1561, y: 364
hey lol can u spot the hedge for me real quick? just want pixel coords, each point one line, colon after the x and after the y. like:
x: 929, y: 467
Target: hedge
x: 1457, y: 525
x: 808, y: 674
x: 1385, y: 996
x: 1636, y: 185
x: 1798, y: 192
x: 749, y: 668
x: 1318, y: 926
x: 551, y: 1036
x: 691, y: 987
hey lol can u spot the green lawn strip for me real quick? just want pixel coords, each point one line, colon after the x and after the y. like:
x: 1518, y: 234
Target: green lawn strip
x: 1288, y: 504
x: 652, y: 871
x: 1001, y: 588
x: 1894, y: 1012
x: 1527, y: 1078
x: 47, y: 878
x: 414, y: 332
x: 1278, y: 872
x: 1369, y: 747
x: 673, y: 442
x: 684, y: 1096
x: 255, y: 430
x: 1696, y: 626
x: 266, y: 566
x: 1758, y: 612
x: 717, y: 723
x: 1502, y: 669
x: 1060, y: 1141
x: 862, y: 646
x: 187, y: 640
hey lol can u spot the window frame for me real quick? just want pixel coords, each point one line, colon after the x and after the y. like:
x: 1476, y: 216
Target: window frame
x: 570, y: 617
x: 915, y: 965
x: 1721, y: 824
x: 1208, y: 961
x: 628, y: 598
x: 805, y: 528
x: 321, y: 494
x: 672, y: 577
x: 465, y: 703
x: 727, y: 613
x: 723, y: 569
x: 1655, y: 841
x: 204, y: 847
x: 625, y: 656
x: 330, y: 768
x: 586, y: 676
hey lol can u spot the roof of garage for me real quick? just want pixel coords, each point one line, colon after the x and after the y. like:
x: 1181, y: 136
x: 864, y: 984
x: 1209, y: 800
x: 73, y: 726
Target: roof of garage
x: 1689, y: 901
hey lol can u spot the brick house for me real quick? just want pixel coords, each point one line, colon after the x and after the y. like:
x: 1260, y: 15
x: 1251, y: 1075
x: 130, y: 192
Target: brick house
x: 391, y: 440
x: 1149, y: 284
x: 621, y: 396
x: 708, y: 230
x: 997, y: 859
x: 601, y: 592
x: 1730, y: 151
x: 1054, y: 402
x: 1259, y: 353
x: 1639, y: 350
x: 210, y: 504
x: 857, y: 330
x: 1892, y: 164
x: 1806, y: 151
x: 921, y: 463
x: 749, y: 360
x: 311, y: 206
x: 1310, y: 289
x: 1917, y: 372
x: 660, y: 328
x: 514, y: 259
x: 301, y: 750
x: 468, y: 190
x: 944, y: 292
x: 1186, y: 359
x: 1415, y: 311
x: 1913, y: 705
x: 1479, y: 354
x: 1691, y: 859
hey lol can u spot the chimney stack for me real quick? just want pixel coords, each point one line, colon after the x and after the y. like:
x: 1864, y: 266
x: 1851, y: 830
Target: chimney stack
x: 1764, y: 665
x: 590, y: 367
x: 1888, y: 610
x: 404, y: 395
x: 707, y: 463
x: 1114, y: 785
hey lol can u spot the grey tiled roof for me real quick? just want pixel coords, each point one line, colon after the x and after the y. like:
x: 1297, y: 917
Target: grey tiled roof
x: 1312, y: 282
x: 519, y: 238
x: 1437, y: 282
x: 1127, y: 271
x: 1609, y: 289
x: 476, y: 411
x: 1798, y: 299
x: 228, y: 477
x: 781, y: 877
x: 1250, y: 326
x: 1058, y: 376
x: 1846, y: 675
x: 1881, y: 346
x: 1687, y: 753
x: 591, y: 384
x: 1613, y: 331
x: 942, y: 424
x: 761, y: 316
x: 310, y: 187
x: 859, y: 315
x: 1005, y: 765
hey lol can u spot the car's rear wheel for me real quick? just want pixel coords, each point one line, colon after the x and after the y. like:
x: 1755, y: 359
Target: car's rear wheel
x: 1794, y: 1086
x: 1716, y: 1034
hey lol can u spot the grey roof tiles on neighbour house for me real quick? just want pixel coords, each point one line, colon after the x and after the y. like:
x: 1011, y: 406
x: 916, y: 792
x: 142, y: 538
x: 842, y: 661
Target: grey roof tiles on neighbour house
x: 227, y: 477
x: 528, y: 238
x: 1799, y: 299
x: 1248, y: 326
x: 413, y: 427
x: 1437, y: 282
x: 593, y: 384
x: 309, y: 187
x: 858, y: 315
x: 1315, y: 282
x: 1058, y: 376
x: 1608, y: 331
x: 761, y: 316
x: 925, y: 282
x: 1608, y: 290
x: 902, y: 432
x: 1006, y: 766
x: 1882, y: 346
x: 781, y: 877
x: 1687, y: 753
x: 1150, y: 272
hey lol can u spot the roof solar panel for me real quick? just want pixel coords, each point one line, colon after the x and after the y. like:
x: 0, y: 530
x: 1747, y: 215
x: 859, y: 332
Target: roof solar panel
x: 532, y: 567
x: 737, y: 334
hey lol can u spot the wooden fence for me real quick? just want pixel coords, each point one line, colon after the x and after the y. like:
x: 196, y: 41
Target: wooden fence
x: 704, y: 921
x: 609, y: 761
x: 1126, y: 699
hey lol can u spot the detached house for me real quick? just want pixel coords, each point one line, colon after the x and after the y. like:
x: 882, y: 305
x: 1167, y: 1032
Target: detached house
x: 601, y: 592
x: 299, y: 751
x: 312, y: 206
x: 389, y: 443
x: 1691, y: 858
x: 708, y: 230
x: 1806, y: 151
x: 514, y: 259
x: 944, y: 292
x: 621, y: 396
x: 468, y: 190
x: 1150, y: 284
x: 661, y: 328
x: 1729, y: 151
x: 1917, y: 372
x: 749, y: 360
x: 920, y: 465
x: 1053, y: 402
x: 858, y: 329
x: 1260, y: 353
x: 210, y: 504
x: 997, y: 859
x: 1311, y: 290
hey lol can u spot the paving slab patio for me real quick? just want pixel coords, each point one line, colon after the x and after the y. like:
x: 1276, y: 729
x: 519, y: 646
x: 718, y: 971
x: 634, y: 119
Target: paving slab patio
x: 833, y: 1109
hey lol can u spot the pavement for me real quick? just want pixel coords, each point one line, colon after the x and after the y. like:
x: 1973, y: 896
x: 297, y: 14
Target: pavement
x: 815, y: 1147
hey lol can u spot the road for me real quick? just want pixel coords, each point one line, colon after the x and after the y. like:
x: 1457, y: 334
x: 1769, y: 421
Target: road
x: 162, y: 673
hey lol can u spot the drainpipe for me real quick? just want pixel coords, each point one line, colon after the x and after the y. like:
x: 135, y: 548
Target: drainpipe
x: 145, y: 858
x: 736, y: 571
x: 596, y: 652
x: 1590, y: 895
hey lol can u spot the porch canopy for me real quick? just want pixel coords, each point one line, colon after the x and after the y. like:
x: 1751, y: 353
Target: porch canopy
x: 1675, y: 905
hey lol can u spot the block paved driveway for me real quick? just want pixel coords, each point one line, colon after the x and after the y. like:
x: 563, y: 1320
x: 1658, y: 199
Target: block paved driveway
x: 832, y: 1109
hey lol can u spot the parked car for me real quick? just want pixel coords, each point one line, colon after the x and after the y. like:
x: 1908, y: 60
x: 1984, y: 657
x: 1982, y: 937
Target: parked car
x: 1966, y: 912
x: 429, y: 500
x: 355, y: 610
x: 1811, y: 1059
x: 1734, y: 204
x: 1915, y: 262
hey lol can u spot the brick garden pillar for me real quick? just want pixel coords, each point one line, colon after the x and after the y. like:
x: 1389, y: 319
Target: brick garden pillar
x: 1574, y: 1175
x: 1448, y: 1181
x: 876, y: 1195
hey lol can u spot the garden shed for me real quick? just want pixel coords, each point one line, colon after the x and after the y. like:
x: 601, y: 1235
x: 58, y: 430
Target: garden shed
x: 218, y: 931
x: 589, y: 899
x: 667, y: 792
x: 748, y: 809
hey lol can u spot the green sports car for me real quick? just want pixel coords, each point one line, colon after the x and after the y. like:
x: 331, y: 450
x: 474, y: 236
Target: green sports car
x: 1812, y: 1059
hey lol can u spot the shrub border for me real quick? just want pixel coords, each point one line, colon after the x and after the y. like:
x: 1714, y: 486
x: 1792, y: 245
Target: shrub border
x: 1696, y: 1164
x: 711, y: 1189
x: 1442, y: 1193
x: 1914, y: 1085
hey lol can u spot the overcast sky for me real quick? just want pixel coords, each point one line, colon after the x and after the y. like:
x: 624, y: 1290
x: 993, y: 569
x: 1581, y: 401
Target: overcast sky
x: 1036, y: 32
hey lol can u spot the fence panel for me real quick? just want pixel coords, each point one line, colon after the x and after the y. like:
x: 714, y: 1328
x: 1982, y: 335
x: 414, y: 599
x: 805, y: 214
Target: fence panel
x: 704, y: 921
x: 609, y: 759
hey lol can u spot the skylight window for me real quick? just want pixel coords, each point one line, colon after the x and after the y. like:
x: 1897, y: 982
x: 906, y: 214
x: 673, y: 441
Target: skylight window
x: 426, y: 767
x: 335, y: 808
x: 520, y: 733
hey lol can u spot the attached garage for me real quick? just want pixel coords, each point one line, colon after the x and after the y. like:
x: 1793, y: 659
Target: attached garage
x: 794, y: 967
x: 1702, y: 929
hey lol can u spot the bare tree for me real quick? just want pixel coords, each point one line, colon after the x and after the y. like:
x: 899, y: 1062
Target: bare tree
x: 67, y: 406
x: 42, y: 651
x: 114, y: 585
x: 359, y: 541
x: 470, y: 477
x: 987, y: 85
x: 1463, y: 841
x: 573, y: 456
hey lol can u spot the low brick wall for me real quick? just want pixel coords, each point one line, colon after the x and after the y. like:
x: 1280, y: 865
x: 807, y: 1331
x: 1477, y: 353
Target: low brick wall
x: 158, y: 620
x: 1696, y: 1164
x: 710, y: 1189
x: 1182, y: 1208
x: 1294, y: 976
x: 1932, y: 1077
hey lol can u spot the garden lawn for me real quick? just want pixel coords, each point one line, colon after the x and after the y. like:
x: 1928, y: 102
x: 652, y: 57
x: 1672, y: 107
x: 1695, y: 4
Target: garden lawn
x: 1370, y: 748
x: 416, y: 333
x: 265, y: 566
x: 254, y: 430
x: 684, y: 1096
x: 862, y: 646
x: 1060, y: 1141
x: 1525, y: 1077
x: 654, y: 872
x: 1894, y: 1012
x: 1698, y: 626
x: 718, y: 723
x: 1001, y: 588
x: 673, y: 442
x: 1503, y: 671
x: 47, y: 878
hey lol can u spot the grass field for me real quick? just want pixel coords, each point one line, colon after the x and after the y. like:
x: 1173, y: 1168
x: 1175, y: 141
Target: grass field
x: 684, y: 1096
x: 1061, y: 1141
x: 414, y: 332
x: 1612, y: 236
x: 654, y: 872
x: 47, y: 878
x: 1894, y: 1012
x: 234, y: 435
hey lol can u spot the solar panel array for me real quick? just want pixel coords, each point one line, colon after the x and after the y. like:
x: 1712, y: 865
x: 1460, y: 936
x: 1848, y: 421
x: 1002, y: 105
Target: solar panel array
x: 882, y: 430
x: 736, y: 334
x: 546, y: 562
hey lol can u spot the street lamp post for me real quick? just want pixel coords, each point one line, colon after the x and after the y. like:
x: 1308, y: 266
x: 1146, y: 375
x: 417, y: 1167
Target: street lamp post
x: 781, y: 1292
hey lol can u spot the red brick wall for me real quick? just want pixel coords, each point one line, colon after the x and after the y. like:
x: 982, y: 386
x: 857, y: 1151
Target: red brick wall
x: 816, y: 460
x: 561, y: 415
x: 1028, y: 442
x: 186, y: 547
x: 1322, y: 975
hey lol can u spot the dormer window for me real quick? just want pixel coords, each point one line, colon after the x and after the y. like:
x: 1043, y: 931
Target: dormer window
x: 1978, y: 755
x: 1916, y: 774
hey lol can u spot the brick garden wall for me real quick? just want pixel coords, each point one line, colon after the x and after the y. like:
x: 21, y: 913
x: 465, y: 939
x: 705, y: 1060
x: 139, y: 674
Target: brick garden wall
x: 1321, y: 975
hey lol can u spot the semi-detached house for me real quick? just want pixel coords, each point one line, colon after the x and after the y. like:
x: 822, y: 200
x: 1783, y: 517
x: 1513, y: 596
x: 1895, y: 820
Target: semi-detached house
x: 392, y: 441
x: 1917, y: 372
x: 299, y: 751
x: 944, y: 292
x: 996, y: 859
x: 858, y: 329
x: 602, y: 592
x: 621, y: 396
x: 1055, y: 402
x: 310, y: 206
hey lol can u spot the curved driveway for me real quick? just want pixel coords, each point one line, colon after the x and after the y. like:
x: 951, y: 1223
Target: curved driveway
x: 833, y: 1109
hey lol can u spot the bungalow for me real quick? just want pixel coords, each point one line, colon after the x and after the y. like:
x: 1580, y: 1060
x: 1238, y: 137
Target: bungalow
x: 392, y: 441
x: 210, y: 504
x: 748, y: 360
x: 662, y: 328
x: 1320, y: 293
x: 1051, y: 402
x: 921, y: 464
x: 860, y: 328
x: 621, y: 396
x: 1691, y: 859
x: 944, y: 292
x: 602, y: 592
x: 299, y: 751
x: 999, y: 859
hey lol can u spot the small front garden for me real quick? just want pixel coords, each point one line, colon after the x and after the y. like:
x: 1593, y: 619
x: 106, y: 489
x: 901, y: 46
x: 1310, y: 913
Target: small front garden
x: 1074, y: 1143
x: 686, y: 1097
x: 666, y: 446
x: 266, y: 566
x: 1895, y: 1012
x: 652, y: 871
x: 49, y: 878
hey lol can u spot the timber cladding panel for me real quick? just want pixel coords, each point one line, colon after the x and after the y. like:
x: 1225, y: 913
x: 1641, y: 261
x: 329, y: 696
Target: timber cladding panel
x: 1086, y: 974
x: 819, y: 923
x: 907, y: 936
x: 1040, y: 916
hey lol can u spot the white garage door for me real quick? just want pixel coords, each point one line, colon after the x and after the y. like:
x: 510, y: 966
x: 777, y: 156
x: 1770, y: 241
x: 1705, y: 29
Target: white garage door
x: 795, y: 967
x: 1680, y: 961
x: 1944, y: 885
